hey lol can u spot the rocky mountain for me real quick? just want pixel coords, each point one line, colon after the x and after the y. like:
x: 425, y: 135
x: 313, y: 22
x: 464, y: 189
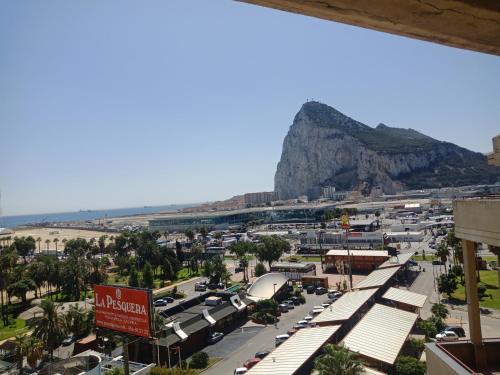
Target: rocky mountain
x: 324, y: 147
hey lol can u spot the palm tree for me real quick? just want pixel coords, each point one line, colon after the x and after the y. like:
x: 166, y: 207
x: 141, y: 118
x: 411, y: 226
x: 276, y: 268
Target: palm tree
x: 338, y: 360
x: 64, y: 240
x: 39, y: 239
x: 29, y: 347
x: 47, y: 241
x: 443, y: 253
x: 56, y: 240
x: 48, y: 327
x: 439, y: 310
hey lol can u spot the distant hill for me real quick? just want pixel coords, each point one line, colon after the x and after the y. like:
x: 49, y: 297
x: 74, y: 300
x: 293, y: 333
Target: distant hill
x: 324, y: 147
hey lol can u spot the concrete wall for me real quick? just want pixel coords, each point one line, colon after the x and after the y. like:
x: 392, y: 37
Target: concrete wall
x: 478, y: 220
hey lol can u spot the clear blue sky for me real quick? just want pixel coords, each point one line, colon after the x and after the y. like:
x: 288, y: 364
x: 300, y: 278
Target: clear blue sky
x: 109, y: 104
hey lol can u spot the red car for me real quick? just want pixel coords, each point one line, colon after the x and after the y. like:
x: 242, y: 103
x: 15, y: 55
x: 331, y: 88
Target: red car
x: 251, y: 362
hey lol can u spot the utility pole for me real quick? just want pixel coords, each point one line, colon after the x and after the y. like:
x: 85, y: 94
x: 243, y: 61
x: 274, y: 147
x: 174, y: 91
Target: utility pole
x: 125, y: 356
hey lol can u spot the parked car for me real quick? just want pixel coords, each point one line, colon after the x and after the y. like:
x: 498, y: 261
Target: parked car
x: 334, y: 294
x: 160, y: 302
x: 213, y: 286
x: 169, y: 299
x: 238, y: 269
x: 308, y: 318
x: 278, y: 340
x: 251, y: 362
x: 283, y: 307
x: 240, y: 371
x: 291, y: 331
x: 317, y: 309
x: 200, y: 287
x: 326, y: 304
x: 290, y: 304
x: 310, y: 289
x: 295, y: 300
x: 458, y: 330
x: 447, y: 336
x: 262, y: 354
x: 320, y: 290
x: 68, y: 340
x: 215, y: 337
x: 298, y: 326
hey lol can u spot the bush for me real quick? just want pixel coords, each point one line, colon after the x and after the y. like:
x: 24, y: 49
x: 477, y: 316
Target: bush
x: 199, y: 360
x: 409, y: 366
x: 260, y: 269
x: 172, y: 371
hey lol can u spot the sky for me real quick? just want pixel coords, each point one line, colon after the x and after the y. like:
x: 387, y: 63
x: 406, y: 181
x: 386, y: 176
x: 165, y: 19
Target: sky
x: 118, y: 103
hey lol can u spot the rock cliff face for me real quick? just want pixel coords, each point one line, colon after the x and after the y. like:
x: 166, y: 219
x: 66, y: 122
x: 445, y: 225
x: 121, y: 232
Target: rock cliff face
x: 327, y: 148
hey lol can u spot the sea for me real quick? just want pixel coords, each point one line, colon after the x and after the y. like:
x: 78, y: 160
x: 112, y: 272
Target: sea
x: 83, y: 215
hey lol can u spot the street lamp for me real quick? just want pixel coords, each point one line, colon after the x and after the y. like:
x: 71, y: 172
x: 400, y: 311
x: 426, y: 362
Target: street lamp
x: 274, y: 289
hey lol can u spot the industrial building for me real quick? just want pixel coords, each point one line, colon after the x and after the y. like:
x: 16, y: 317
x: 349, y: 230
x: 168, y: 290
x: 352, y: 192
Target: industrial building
x: 360, y: 260
x: 223, y: 220
x: 263, y: 197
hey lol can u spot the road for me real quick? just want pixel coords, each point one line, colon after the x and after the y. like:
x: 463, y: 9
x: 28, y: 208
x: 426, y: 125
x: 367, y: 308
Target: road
x: 424, y: 284
x: 242, y: 344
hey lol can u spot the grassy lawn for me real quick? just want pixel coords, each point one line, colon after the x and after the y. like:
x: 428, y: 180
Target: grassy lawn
x: 302, y: 258
x: 17, y: 327
x: 419, y: 258
x: 490, y: 279
x: 211, y: 361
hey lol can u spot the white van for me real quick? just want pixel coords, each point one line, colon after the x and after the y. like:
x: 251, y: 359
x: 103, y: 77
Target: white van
x: 240, y: 371
x: 281, y: 339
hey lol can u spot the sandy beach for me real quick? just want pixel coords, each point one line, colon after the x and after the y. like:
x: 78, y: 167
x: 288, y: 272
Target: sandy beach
x: 60, y: 234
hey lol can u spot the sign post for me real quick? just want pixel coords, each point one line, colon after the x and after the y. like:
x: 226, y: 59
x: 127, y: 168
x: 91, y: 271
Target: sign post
x: 346, y: 225
x: 125, y: 310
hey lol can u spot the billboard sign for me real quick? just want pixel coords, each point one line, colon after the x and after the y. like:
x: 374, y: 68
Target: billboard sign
x: 345, y: 222
x: 123, y: 309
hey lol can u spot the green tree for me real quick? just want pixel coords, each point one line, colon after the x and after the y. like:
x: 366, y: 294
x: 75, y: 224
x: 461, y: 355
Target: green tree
x: 447, y: 283
x: 440, y: 310
x: 47, y: 242
x: 242, y: 249
x: 77, y: 322
x: 189, y: 234
x: 21, y: 288
x: 260, y: 269
x: 215, y: 269
x: 48, y: 327
x: 406, y: 365
x: 24, y: 246
x: 338, y: 360
x: 199, y: 360
x: 443, y: 252
x: 147, y: 276
x: 133, y: 279
x: 271, y: 249
x: 29, y: 347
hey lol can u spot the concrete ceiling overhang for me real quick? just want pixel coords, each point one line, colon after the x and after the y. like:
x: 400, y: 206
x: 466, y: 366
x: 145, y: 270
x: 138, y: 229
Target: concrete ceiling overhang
x: 467, y: 24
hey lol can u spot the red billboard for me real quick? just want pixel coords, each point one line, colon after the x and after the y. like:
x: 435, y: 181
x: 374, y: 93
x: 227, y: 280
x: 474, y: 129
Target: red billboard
x: 123, y: 309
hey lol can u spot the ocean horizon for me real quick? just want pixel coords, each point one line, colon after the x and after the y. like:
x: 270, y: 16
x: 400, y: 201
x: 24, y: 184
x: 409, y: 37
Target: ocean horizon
x: 84, y: 215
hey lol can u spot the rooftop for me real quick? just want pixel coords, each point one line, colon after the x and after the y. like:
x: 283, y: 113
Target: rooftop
x: 345, y: 306
x: 381, y: 324
x: 404, y: 296
x: 266, y: 285
x: 295, y: 265
x: 378, y: 278
x: 287, y: 358
x: 398, y: 260
x: 359, y: 253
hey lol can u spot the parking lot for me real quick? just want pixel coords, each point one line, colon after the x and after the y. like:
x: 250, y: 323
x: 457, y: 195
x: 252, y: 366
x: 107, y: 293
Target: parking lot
x: 242, y: 344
